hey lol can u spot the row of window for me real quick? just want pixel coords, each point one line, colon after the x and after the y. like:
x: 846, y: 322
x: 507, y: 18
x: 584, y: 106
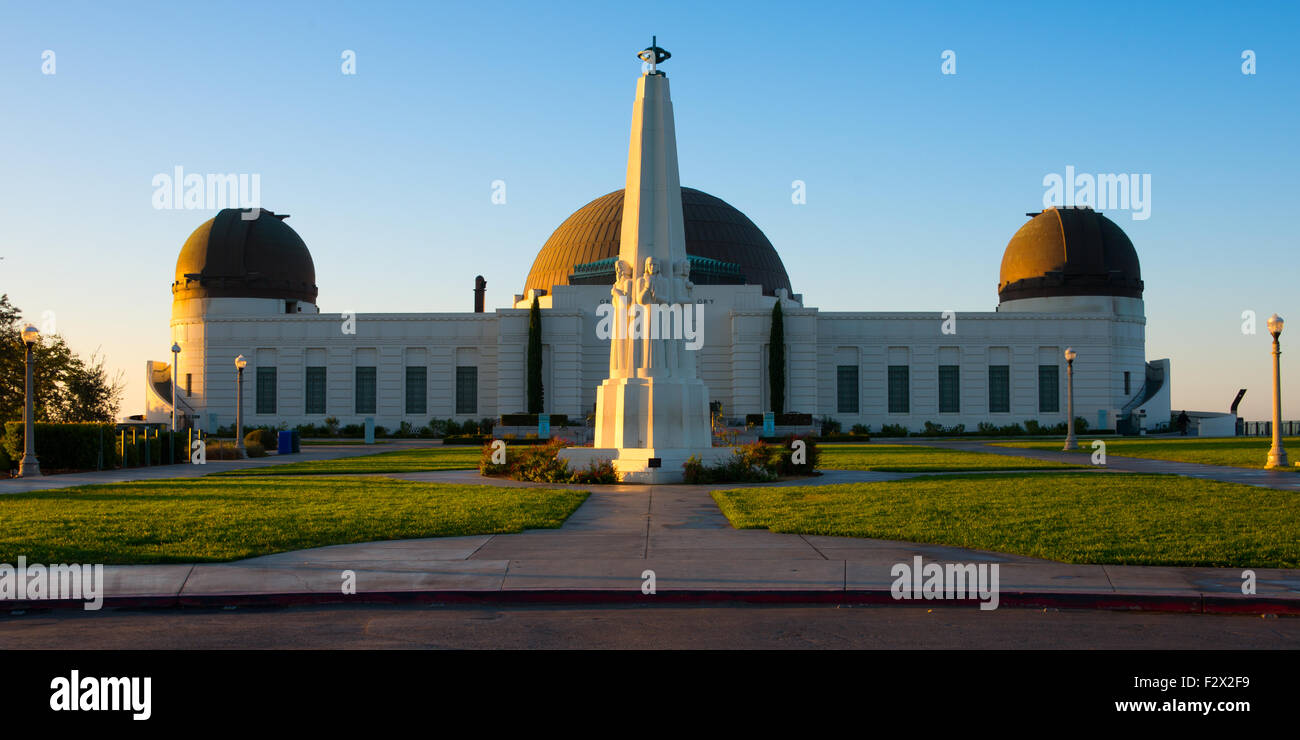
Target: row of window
x: 366, y: 390
x: 899, y: 386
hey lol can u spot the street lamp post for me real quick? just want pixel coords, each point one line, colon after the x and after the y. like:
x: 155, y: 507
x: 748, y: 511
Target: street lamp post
x: 1070, y: 442
x: 176, y: 358
x: 240, y: 364
x: 29, y: 466
x: 1277, y: 455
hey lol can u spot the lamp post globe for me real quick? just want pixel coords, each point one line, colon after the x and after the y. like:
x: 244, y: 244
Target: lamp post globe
x: 1277, y: 454
x: 1070, y: 442
x: 240, y: 364
x: 29, y: 466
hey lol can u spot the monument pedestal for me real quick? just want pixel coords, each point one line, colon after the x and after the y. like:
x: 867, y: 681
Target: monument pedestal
x: 645, y: 422
x: 633, y: 464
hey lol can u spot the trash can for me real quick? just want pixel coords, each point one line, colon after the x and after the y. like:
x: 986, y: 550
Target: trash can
x: 285, y: 446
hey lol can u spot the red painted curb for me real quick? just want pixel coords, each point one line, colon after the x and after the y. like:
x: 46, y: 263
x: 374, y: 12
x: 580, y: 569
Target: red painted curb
x: 1191, y: 604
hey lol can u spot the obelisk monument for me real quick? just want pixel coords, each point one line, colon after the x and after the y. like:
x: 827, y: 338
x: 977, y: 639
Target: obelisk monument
x: 652, y: 412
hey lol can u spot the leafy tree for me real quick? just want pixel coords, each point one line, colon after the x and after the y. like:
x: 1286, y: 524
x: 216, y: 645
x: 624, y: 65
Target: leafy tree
x: 68, y: 388
x: 536, y: 393
x: 776, y: 359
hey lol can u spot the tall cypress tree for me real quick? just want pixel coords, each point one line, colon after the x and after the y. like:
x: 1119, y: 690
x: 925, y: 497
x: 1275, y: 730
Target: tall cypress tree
x: 776, y: 360
x: 535, y: 390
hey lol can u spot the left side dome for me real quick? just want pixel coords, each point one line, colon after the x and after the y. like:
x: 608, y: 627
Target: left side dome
x: 231, y: 257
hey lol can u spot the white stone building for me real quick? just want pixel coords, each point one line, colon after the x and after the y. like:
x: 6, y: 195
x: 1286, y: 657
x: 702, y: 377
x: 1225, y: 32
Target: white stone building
x: 245, y: 284
x: 1069, y: 278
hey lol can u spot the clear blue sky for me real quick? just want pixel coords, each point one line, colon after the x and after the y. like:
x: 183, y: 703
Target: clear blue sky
x: 915, y: 180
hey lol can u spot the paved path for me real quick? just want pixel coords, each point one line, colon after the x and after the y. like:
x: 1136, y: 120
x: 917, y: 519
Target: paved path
x: 1284, y: 479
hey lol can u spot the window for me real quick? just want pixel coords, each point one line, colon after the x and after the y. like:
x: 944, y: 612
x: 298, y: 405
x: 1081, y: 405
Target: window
x: 999, y: 389
x: 189, y: 380
x: 898, y: 389
x: 846, y: 389
x: 466, y: 390
x: 315, y: 390
x: 1128, y: 388
x: 949, y: 390
x: 417, y: 388
x: 365, y: 390
x: 266, y: 390
x: 1049, y: 389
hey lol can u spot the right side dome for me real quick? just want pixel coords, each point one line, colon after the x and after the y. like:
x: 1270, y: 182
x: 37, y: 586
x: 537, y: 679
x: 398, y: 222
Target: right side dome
x: 1069, y: 252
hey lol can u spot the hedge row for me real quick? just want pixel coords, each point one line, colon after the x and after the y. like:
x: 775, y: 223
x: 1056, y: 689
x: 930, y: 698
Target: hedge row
x: 87, y: 446
x: 530, y: 420
x: 782, y: 420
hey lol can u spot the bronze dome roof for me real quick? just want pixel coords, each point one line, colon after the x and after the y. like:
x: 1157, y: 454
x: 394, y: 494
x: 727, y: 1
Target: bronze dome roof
x: 1069, y: 251
x: 714, y: 230
x: 230, y: 257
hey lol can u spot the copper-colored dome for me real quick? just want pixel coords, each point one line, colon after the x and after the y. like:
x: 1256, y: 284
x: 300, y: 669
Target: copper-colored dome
x: 714, y: 230
x: 1069, y: 251
x: 231, y: 257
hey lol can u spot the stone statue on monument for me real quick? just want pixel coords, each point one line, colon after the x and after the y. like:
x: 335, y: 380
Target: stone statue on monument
x: 683, y: 364
x: 652, y: 291
x: 621, y: 298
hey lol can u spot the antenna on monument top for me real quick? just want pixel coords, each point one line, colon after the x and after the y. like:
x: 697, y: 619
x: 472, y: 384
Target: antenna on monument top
x: 653, y: 56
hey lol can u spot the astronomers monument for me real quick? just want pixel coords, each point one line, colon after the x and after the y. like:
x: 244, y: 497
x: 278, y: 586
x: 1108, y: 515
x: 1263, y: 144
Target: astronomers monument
x: 652, y: 412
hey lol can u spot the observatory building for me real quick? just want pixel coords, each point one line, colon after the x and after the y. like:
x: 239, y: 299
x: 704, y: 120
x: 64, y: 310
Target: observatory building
x: 245, y: 284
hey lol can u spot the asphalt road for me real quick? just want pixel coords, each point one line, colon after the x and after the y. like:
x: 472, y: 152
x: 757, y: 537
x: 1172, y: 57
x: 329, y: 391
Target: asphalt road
x: 639, y: 627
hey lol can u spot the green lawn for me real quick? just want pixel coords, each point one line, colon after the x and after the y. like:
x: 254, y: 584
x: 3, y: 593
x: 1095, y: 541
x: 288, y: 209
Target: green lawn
x: 216, y: 519
x: 1116, y: 518
x: 452, y: 457
x: 1237, y: 452
x: 916, y: 459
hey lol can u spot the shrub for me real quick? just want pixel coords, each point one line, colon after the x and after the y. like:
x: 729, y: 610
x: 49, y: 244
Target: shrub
x: 6, y: 462
x: 485, y: 425
x: 893, y: 430
x: 530, y: 420
x: 538, y: 462
x: 66, y: 446
x: 353, y: 430
x: 939, y: 430
x: 860, y: 429
x: 752, y: 463
x: 466, y: 439
x: 332, y: 426
x: 597, y: 471
x: 830, y: 426
x: 782, y: 420
x: 262, y: 437
x: 785, y: 459
x: 1010, y: 430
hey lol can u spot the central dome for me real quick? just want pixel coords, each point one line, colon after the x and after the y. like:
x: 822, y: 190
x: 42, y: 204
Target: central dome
x: 714, y: 230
